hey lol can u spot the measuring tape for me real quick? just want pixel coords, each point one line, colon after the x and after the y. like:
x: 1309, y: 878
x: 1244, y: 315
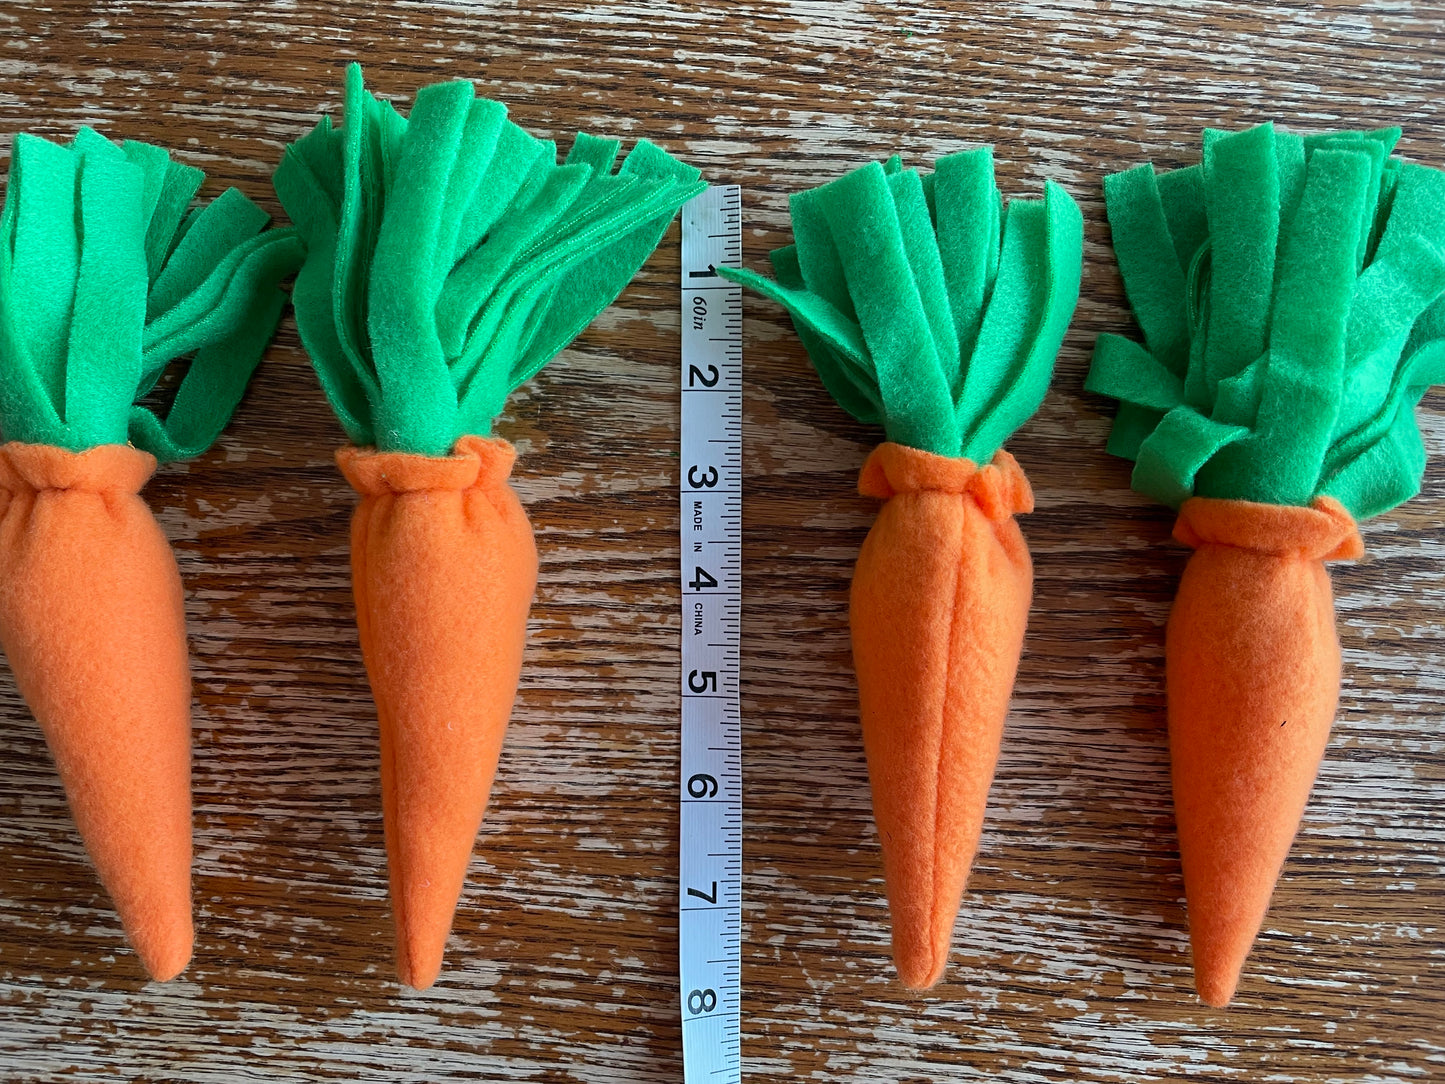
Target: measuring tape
x: 710, y: 885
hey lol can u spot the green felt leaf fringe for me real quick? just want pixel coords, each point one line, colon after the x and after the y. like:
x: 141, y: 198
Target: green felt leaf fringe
x: 1289, y: 291
x: 926, y: 304
x: 107, y: 276
x: 450, y: 256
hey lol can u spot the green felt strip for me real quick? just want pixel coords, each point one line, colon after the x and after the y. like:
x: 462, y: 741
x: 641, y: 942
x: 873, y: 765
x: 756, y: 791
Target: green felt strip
x: 1315, y: 318
x: 1291, y: 163
x: 1301, y: 384
x: 450, y: 256
x: 367, y: 150
x: 1128, y: 372
x: 582, y: 254
x: 1181, y: 195
x: 1237, y: 397
x: 106, y: 279
x: 1392, y: 295
x: 225, y: 302
x: 967, y: 209
x: 417, y: 408
x: 46, y: 253
x: 1389, y: 183
x: 514, y: 158
x: 818, y: 258
x: 841, y: 359
x: 102, y: 362
x: 216, y: 378
x: 1018, y: 303
x: 921, y: 250
x: 1028, y: 314
x: 1359, y: 461
x: 912, y: 381
x: 178, y: 188
x: 1148, y: 261
x: 227, y: 222
x: 153, y: 163
x: 310, y: 182
x: 473, y: 286
x: 923, y: 305
x: 583, y: 277
x: 1176, y: 449
x: 839, y: 351
x: 485, y: 123
x: 27, y: 406
x: 1132, y: 426
x: 1241, y: 184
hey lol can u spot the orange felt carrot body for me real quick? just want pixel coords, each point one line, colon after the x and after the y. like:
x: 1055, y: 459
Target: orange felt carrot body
x: 1291, y: 294
x: 928, y: 305
x: 1253, y: 665
x: 450, y: 257
x: 91, y: 619
x: 938, y: 608
x: 443, y: 570
x: 108, y: 276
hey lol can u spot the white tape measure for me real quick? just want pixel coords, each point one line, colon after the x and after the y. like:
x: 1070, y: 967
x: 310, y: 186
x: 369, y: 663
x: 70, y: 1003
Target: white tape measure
x: 710, y: 886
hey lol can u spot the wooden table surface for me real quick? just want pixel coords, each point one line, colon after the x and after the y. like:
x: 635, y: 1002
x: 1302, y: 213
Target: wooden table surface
x: 1070, y: 957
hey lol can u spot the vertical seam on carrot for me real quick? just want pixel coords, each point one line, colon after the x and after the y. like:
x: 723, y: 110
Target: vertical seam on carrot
x: 938, y: 781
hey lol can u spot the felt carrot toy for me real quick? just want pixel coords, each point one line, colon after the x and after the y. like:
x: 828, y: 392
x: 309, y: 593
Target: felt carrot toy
x: 106, y: 277
x: 450, y: 258
x: 929, y: 308
x: 1289, y: 293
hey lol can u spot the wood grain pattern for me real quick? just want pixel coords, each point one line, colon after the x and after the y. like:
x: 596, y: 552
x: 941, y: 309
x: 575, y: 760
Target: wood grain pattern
x: 1071, y: 953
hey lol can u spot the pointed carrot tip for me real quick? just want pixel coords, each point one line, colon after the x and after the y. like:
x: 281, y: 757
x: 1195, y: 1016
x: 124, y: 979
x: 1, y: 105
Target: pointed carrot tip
x: 1216, y: 986
x: 153, y: 903
x: 420, y: 947
x: 1218, y: 963
x: 920, y: 970
x: 418, y: 978
x: 165, y: 956
x: 418, y: 981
